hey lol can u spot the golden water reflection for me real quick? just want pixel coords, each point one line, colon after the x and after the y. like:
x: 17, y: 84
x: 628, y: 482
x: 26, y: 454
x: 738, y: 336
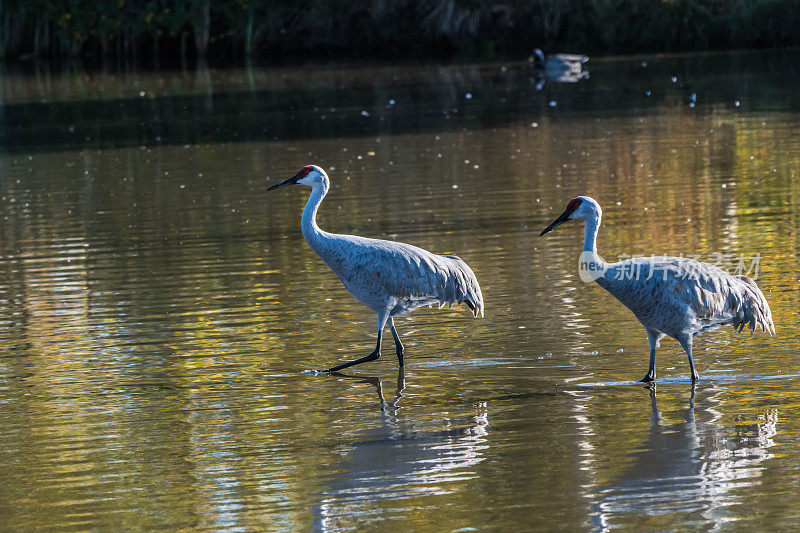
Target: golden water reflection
x: 158, y: 307
x: 692, y: 465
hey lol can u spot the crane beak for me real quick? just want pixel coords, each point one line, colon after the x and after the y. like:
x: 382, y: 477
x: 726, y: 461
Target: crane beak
x: 284, y: 183
x: 563, y: 217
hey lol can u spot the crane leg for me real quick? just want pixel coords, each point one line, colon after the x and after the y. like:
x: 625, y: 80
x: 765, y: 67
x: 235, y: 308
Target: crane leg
x: 397, y: 343
x: 376, y: 353
x: 653, y: 337
x: 686, y: 342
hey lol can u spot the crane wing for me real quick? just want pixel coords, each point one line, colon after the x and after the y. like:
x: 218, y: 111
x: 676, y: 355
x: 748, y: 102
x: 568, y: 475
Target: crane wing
x: 663, y: 290
x: 374, y: 269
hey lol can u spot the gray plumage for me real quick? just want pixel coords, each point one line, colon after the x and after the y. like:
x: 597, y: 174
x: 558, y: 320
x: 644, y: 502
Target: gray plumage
x: 675, y: 295
x: 398, y: 277
x: 670, y: 296
x: 391, y: 278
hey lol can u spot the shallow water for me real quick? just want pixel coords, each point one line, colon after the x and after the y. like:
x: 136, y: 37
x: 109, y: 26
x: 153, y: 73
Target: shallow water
x: 160, y: 311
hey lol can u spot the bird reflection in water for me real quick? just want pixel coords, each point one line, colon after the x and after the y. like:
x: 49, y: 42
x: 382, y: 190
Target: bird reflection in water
x: 401, y: 457
x: 376, y: 382
x: 691, y: 466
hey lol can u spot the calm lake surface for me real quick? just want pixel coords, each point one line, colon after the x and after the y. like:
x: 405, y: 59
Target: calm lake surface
x: 159, y: 309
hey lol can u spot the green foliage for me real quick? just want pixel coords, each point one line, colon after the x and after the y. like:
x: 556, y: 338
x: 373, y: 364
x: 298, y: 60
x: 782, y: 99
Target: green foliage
x: 124, y: 29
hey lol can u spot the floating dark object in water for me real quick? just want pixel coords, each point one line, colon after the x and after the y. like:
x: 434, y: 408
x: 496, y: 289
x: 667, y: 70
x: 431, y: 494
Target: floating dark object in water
x: 564, y: 68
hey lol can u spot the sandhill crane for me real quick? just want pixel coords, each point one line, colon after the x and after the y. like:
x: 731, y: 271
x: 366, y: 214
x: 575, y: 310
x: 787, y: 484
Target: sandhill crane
x: 391, y: 278
x: 671, y: 296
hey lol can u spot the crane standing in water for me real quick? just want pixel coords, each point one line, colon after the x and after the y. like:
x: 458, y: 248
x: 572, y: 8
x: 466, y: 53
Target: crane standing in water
x: 671, y: 296
x: 391, y: 278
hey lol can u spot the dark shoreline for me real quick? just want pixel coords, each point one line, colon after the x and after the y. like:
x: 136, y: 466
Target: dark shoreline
x: 179, y: 34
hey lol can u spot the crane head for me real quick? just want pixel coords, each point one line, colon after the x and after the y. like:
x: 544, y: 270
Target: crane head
x: 308, y: 175
x: 584, y: 207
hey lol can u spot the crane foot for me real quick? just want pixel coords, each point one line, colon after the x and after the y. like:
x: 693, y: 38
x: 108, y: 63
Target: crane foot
x: 371, y: 357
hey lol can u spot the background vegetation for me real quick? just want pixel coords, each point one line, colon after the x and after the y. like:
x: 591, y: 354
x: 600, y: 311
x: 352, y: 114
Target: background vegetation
x: 134, y: 32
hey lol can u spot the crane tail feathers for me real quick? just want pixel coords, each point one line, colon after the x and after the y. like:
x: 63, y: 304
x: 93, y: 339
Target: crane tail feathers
x: 459, y: 285
x: 752, y: 309
x: 473, y: 308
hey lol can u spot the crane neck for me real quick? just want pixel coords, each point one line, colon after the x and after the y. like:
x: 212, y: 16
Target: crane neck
x: 308, y: 224
x: 592, y: 267
x: 590, y: 228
